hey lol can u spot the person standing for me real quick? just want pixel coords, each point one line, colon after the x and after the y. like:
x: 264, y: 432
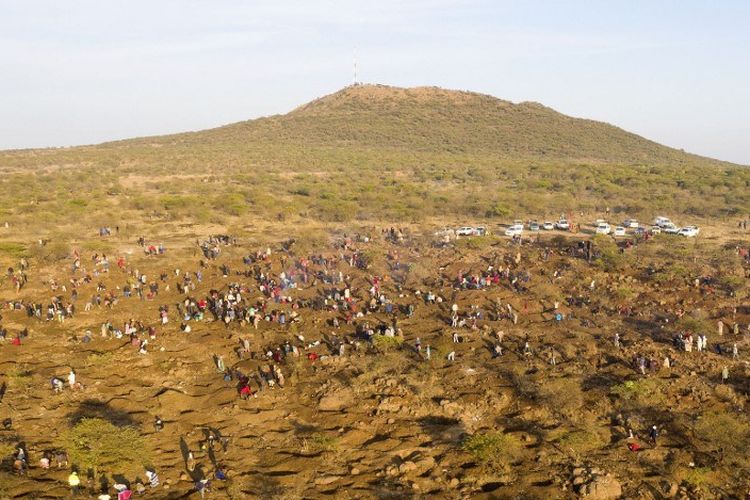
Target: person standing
x: 153, y: 478
x: 202, y: 486
x: 75, y: 483
x: 653, y: 433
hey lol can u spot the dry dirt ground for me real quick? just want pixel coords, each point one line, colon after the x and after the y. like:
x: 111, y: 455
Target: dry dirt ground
x: 385, y: 421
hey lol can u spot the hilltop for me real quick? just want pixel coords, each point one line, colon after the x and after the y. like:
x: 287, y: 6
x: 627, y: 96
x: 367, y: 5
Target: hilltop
x: 431, y: 119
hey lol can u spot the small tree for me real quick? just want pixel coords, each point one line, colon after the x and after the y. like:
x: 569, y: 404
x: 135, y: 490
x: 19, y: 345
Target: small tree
x: 610, y: 256
x: 96, y: 444
x: 494, y: 450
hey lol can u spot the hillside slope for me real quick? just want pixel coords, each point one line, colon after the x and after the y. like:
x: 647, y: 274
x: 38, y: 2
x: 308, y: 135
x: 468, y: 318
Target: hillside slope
x: 429, y: 119
x: 373, y: 153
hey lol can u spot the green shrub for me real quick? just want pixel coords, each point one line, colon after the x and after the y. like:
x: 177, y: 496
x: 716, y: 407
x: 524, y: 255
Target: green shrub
x: 21, y: 378
x: 649, y: 391
x: 582, y: 441
x: 477, y: 242
x: 698, y: 476
x: 318, y: 442
x: 77, y: 204
x: 97, y: 444
x: 14, y: 250
x: 695, y: 325
x: 624, y: 293
x: 385, y: 343
x: 498, y: 209
x: 610, y: 258
x: 493, y: 449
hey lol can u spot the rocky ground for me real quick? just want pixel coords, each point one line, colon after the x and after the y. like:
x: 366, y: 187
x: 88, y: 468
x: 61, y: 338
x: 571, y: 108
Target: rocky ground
x: 384, y: 421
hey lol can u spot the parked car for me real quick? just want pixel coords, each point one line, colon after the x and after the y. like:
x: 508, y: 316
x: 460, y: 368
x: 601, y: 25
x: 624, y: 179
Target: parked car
x: 548, y: 226
x: 662, y: 221
x: 514, y: 230
x: 689, y: 231
x: 533, y: 226
x: 603, y: 228
x: 670, y: 229
x: 632, y: 223
x: 465, y: 231
x: 619, y: 231
x: 562, y: 225
x: 655, y: 230
x: 480, y: 231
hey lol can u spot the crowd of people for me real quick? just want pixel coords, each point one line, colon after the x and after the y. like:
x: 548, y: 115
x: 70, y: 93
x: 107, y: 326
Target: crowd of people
x: 351, y: 306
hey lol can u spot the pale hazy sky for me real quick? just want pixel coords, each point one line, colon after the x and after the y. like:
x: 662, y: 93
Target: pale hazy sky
x: 85, y: 71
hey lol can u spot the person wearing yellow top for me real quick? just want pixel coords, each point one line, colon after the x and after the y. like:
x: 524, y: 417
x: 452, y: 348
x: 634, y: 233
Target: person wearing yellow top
x: 75, y: 482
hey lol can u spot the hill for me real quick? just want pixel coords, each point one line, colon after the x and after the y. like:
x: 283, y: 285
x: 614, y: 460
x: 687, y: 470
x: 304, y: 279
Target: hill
x: 428, y: 119
x: 376, y: 153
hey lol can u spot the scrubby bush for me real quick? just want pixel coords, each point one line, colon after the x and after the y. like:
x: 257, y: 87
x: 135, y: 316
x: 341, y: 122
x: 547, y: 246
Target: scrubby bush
x: 624, y: 293
x: 386, y: 343
x: 495, y: 450
x: 728, y: 431
x: 610, y: 257
x: 98, y: 444
x: 54, y: 251
x: 319, y: 442
x: 13, y: 250
x: 581, y: 441
x: 698, y: 476
x: 695, y: 325
x: 649, y: 391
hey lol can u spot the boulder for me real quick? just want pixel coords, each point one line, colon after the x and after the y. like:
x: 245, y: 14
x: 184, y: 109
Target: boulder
x: 325, y: 480
x: 336, y: 401
x: 602, y: 488
x: 407, y: 466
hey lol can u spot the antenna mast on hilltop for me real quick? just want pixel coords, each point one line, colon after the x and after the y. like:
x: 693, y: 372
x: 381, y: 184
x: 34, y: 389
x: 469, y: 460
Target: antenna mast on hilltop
x: 355, y: 67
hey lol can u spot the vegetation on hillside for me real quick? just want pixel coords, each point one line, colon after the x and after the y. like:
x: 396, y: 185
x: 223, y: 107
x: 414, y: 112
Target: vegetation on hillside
x: 372, y: 153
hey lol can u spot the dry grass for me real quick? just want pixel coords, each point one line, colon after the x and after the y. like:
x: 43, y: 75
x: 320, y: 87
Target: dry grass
x: 370, y: 153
